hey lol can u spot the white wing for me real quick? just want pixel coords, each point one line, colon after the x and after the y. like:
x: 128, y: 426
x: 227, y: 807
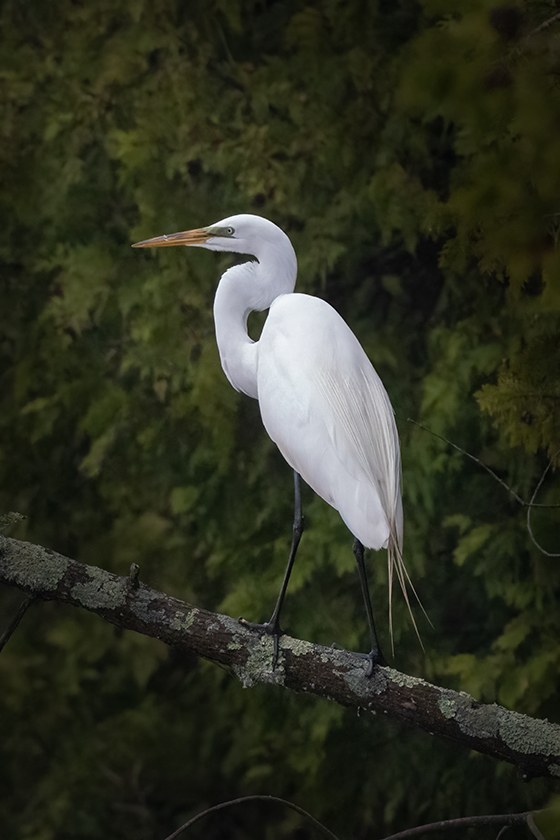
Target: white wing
x: 327, y: 410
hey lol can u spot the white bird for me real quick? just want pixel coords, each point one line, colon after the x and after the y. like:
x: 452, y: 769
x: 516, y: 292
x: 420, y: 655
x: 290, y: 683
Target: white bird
x: 320, y: 398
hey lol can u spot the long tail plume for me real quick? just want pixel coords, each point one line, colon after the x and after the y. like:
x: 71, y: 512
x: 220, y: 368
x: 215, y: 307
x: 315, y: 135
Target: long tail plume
x: 396, y: 566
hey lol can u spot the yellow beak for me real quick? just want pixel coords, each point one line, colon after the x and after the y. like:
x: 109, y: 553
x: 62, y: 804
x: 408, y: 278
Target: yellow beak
x: 185, y: 237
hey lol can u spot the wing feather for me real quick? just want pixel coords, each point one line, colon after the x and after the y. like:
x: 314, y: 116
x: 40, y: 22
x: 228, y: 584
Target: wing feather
x: 326, y: 408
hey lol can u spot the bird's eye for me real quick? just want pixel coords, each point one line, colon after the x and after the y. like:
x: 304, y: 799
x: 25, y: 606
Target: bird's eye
x: 229, y: 231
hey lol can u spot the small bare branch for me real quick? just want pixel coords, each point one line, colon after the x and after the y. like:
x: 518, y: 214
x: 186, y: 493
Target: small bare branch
x: 322, y: 829
x: 542, y: 26
x: 505, y: 820
x: 490, y: 471
x: 14, y: 623
x: 530, y: 506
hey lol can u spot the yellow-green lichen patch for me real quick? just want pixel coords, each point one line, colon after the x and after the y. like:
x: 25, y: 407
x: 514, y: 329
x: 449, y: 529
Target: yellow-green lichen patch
x: 182, y: 620
x: 258, y: 665
x: 9, y: 520
x: 471, y: 718
x: 297, y: 647
x: 404, y: 680
x: 147, y: 606
x: 100, y: 591
x: 447, y: 706
x: 528, y: 735
x: 33, y: 567
x: 353, y: 672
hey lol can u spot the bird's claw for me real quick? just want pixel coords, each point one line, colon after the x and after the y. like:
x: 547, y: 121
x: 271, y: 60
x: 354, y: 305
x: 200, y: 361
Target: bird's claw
x: 373, y: 658
x: 271, y: 628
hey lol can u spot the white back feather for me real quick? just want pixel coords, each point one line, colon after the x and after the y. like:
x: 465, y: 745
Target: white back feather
x: 363, y: 410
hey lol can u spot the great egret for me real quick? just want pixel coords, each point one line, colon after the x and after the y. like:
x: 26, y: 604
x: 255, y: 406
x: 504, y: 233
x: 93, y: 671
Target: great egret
x: 321, y: 400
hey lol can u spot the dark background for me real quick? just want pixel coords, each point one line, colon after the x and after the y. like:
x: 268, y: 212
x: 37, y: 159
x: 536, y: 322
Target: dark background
x: 413, y: 156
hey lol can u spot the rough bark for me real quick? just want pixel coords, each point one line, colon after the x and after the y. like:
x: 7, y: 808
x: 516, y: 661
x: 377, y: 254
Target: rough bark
x: 531, y: 744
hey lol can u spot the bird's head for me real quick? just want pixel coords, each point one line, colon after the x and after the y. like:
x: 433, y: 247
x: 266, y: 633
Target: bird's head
x: 241, y: 234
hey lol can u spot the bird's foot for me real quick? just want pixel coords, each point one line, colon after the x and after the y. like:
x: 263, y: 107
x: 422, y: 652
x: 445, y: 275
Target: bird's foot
x: 271, y: 628
x: 373, y: 658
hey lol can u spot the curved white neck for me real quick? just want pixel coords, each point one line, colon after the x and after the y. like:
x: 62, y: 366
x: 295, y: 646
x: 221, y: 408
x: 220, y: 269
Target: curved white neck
x: 251, y: 286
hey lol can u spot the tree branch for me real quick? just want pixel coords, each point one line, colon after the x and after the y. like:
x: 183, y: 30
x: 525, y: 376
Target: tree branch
x: 258, y: 797
x: 461, y: 822
x: 532, y: 745
x: 506, y: 820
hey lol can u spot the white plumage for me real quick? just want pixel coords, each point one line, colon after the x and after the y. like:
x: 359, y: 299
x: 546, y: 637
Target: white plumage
x: 326, y: 409
x: 320, y: 398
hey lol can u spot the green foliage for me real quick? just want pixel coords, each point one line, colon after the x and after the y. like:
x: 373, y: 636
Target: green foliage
x: 411, y: 153
x: 525, y: 401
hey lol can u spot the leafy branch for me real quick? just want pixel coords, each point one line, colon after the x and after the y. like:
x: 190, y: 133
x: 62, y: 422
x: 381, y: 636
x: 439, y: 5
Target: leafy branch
x: 531, y: 744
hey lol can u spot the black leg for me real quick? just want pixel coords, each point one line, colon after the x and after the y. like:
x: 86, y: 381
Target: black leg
x: 375, y: 655
x: 273, y: 625
x: 296, y: 537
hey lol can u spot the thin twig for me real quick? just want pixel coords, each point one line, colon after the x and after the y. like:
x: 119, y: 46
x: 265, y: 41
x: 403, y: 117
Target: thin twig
x: 462, y: 822
x: 544, y: 25
x: 12, y: 626
x: 484, y: 466
x: 502, y: 832
x: 255, y: 797
x: 534, y: 829
x: 504, y: 820
x: 529, y: 507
